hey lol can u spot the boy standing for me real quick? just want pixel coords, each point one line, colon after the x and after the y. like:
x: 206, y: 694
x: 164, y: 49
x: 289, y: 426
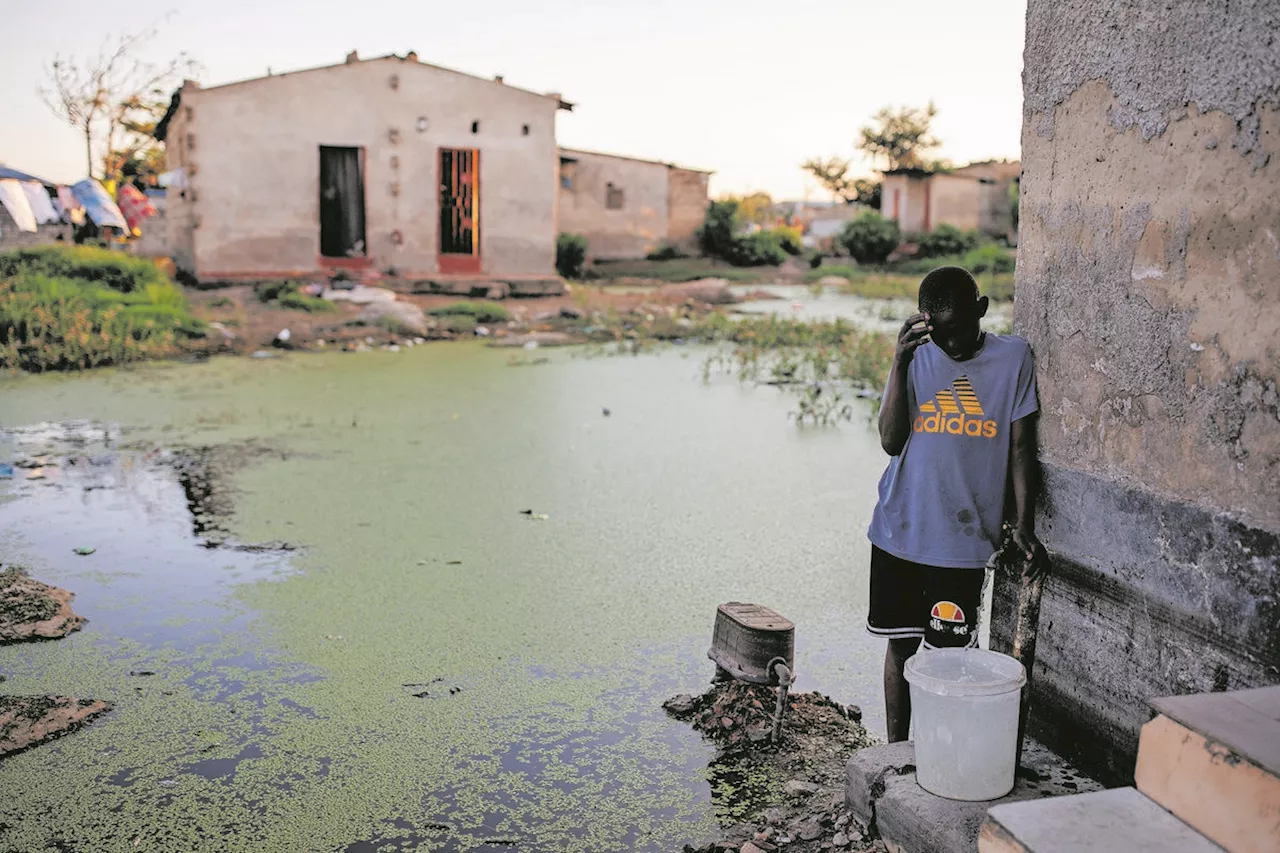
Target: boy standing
x: 958, y: 420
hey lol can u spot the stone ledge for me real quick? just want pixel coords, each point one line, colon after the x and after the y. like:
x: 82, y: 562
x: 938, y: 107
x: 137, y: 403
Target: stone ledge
x: 884, y: 798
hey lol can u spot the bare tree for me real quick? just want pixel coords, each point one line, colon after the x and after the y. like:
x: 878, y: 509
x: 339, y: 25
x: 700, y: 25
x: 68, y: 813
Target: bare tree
x: 900, y: 136
x: 112, y: 96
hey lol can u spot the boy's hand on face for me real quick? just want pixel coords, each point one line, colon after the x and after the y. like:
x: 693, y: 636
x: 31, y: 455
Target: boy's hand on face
x: 915, y: 331
x: 1034, y: 557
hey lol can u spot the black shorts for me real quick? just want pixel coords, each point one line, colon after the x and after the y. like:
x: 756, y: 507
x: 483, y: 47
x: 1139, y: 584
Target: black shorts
x: 937, y: 604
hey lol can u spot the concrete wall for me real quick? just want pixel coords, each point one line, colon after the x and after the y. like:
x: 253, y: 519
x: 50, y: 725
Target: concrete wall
x: 155, y: 241
x: 12, y: 238
x: 955, y: 200
x: 1148, y: 277
x: 686, y: 206
x: 633, y: 230
x: 253, y: 152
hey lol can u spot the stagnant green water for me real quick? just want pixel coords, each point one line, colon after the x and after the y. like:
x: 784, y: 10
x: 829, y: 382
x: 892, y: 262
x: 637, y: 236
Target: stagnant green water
x: 277, y: 718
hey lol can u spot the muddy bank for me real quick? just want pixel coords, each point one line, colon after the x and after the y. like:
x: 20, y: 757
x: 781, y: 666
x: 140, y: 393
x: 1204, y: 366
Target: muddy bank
x: 26, y: 721
x: 207, y: 477
x: 31, y: 610
x: 789, y: 796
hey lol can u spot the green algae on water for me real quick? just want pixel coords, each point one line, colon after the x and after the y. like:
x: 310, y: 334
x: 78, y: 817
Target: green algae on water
x: 278, y: 718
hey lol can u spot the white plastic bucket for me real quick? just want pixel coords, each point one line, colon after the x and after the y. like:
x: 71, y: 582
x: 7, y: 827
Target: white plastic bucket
x: 964, y: 718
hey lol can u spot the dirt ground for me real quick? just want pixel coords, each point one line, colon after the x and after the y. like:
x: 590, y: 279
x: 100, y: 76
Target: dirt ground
x: 789, y: 797
x: 245, y: 324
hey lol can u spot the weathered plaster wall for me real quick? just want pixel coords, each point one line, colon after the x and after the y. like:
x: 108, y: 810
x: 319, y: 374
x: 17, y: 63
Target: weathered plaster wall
x: 255, y: 149
x: 955, y: 200
x: 636, y: 228
x: 686, y: 206
x: 179, y: 206
x: 12, y: 238
x: 908, y: 211
x: 1148, y: 278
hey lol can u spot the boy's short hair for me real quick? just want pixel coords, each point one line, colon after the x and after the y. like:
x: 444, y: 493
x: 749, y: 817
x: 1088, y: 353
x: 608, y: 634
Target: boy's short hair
x: 947, y: 288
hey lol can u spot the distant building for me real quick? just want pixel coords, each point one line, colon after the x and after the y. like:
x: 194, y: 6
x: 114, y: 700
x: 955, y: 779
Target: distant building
x: 975, y: 197
x: 627, y: 207
x: 393, y: 164
x: 388, y: 163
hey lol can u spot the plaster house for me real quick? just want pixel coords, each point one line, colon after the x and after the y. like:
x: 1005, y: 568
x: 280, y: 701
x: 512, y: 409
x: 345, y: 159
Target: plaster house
x: 972, y: 198
x: 627, y: 207
x: 388, y: 163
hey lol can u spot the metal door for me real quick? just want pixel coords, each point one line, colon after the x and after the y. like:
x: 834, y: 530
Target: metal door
x: 459, y: 210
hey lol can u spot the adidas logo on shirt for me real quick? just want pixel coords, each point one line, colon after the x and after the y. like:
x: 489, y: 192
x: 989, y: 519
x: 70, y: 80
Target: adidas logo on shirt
x: 957, y: 411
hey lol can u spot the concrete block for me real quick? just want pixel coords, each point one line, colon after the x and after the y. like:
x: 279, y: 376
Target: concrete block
x: 1118, y: 819
x: 884, y: 798
x: 1212, y: 760
x: 865, y: 775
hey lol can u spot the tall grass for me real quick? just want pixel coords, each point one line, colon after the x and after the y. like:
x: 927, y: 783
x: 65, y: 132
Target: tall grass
x: 66, y: 308
x: 822, y: 361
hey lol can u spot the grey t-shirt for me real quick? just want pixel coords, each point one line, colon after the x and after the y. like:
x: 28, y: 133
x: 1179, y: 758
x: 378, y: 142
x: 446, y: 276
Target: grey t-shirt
x: 942, y: 498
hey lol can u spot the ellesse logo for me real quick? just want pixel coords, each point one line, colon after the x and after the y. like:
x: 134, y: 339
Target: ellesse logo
x: 955, y: 410
x: 947, y: 611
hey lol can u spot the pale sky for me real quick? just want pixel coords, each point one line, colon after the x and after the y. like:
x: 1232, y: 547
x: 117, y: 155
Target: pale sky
x: 748, y: 88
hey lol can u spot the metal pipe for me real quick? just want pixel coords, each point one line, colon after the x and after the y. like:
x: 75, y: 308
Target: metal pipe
x: 784, y: 683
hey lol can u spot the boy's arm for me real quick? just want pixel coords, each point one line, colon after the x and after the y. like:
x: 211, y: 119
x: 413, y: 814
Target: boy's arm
x: 1025, y: 473
x: 895, y: 418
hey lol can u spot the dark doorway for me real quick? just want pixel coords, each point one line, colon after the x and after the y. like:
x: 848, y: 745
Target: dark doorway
x: 459, y: 210
x: 342, y: 202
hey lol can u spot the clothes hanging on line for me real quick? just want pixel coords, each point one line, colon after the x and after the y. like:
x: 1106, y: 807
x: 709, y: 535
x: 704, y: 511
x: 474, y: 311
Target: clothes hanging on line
x: 72, y: 209
x: 15, y: 200
x: 41, y: 206
x: 135, y: 207
x: 98, y: 205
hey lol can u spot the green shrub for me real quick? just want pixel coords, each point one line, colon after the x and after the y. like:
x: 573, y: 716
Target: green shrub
x: 481, y: 312
x: 869, y: 237
x: 946, y: 240
x: 762, y: 248
x: 716, y: 234
x: 459, y: 324
x: 666, y: 252
x: 789, y: 237
x: 815, y: 260
x: 571, y: 255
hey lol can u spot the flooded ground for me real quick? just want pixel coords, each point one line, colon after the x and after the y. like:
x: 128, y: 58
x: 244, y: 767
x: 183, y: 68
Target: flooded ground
x: 436, y: 666
x: 882, y: 315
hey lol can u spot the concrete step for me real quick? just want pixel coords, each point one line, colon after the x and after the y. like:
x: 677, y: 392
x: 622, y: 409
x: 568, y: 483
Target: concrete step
x: 886, y: 801
x: 1213, y: 759
x: 1120, y: 819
